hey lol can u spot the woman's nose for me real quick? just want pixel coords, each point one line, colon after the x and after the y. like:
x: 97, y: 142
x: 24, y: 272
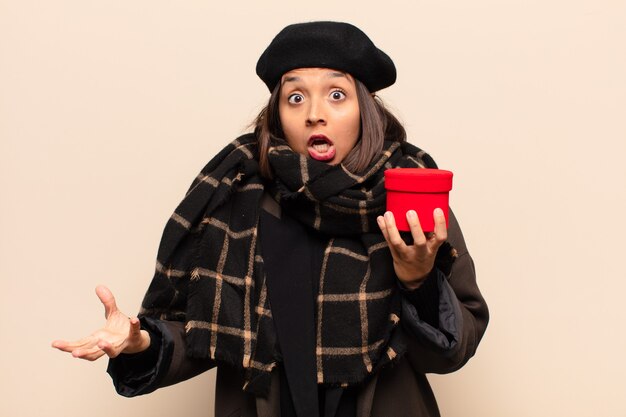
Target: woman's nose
x: 316, y: 113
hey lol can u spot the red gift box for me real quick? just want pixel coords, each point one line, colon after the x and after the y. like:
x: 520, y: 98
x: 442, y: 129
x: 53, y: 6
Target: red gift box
x: 419, y: 189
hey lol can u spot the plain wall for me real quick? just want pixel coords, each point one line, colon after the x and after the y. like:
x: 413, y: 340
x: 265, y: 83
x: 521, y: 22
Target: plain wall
x: 108, y: 109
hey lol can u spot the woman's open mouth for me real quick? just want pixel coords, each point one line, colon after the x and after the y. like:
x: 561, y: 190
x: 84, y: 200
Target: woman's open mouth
x: 321, y: 148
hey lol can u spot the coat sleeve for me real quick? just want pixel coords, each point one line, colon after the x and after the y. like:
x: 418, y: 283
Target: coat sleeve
x: 164, y: 363
x: 463, y: 315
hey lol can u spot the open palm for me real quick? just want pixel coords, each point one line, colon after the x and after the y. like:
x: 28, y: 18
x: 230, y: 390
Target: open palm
x: 120, y: 334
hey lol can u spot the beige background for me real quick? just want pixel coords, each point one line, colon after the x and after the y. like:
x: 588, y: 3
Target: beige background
x: 108, y: 109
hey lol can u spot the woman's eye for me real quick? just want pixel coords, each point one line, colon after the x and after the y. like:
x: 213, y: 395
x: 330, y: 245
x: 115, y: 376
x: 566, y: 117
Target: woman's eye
x: 295, y: 98
x: 337, y: 95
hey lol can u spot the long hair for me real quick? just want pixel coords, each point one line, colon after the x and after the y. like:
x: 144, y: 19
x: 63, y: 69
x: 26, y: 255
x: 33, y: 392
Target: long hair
x: 377, y: 125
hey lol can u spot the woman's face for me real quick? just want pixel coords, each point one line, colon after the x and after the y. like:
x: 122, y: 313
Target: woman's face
x: 319, y: 113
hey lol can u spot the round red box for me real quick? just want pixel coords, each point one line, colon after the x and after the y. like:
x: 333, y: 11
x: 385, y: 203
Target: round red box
x: 419, y: 189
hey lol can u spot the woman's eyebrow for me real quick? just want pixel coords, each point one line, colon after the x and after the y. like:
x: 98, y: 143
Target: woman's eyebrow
x: 336, y: 75
x: 290, y: 79
x: 333, y: 74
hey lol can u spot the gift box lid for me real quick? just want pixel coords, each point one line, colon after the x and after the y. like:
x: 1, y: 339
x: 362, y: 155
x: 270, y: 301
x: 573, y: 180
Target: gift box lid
x: 418, y: 180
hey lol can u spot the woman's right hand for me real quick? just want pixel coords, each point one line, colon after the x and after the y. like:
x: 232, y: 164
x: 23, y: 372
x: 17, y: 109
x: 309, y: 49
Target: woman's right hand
x: 120, y: 334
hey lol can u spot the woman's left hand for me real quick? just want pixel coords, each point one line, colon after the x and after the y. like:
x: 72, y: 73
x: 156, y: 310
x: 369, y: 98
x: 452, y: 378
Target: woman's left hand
x: 413, y: 263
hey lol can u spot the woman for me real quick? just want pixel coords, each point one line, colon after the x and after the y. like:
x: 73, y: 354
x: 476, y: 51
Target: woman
x: 281, y: 268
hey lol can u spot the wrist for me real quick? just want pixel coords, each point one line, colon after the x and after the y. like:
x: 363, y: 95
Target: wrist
x: 412, y: 284
x: 145, y: 340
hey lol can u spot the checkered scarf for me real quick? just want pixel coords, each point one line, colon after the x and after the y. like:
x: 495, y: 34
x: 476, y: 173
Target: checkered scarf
x: 210, y: 273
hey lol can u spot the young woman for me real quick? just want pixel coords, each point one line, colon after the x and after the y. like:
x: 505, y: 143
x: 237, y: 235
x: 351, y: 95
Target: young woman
x: 281, y: 267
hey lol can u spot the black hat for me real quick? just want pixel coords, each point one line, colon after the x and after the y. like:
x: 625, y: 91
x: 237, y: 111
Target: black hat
x: 335, y: 45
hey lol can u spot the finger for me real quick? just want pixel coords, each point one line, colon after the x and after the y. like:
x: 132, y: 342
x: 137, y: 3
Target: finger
x: 135, y: 328
x: 109, y: 349
x: 59, y: 344
x: 394, y: 239
x: 106, y: 297
x: 90, y: 354
x: 441, y: 232
x: 62, y: 345
x: 66, y: 346
x: 94, y: 356
x: 419, y: 239
x: 383, y: 227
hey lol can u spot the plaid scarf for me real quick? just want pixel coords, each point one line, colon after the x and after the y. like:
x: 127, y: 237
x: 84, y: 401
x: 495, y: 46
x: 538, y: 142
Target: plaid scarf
x: 210, y: 272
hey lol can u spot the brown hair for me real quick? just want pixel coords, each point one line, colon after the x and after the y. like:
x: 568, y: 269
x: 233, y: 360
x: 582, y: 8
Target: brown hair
x: 377, y: 125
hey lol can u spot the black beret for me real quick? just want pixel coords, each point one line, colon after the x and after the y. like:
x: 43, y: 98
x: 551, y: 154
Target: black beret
x: 335, y: 45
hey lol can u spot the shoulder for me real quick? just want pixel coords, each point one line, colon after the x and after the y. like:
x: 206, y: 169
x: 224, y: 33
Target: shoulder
x: 407, y: 155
